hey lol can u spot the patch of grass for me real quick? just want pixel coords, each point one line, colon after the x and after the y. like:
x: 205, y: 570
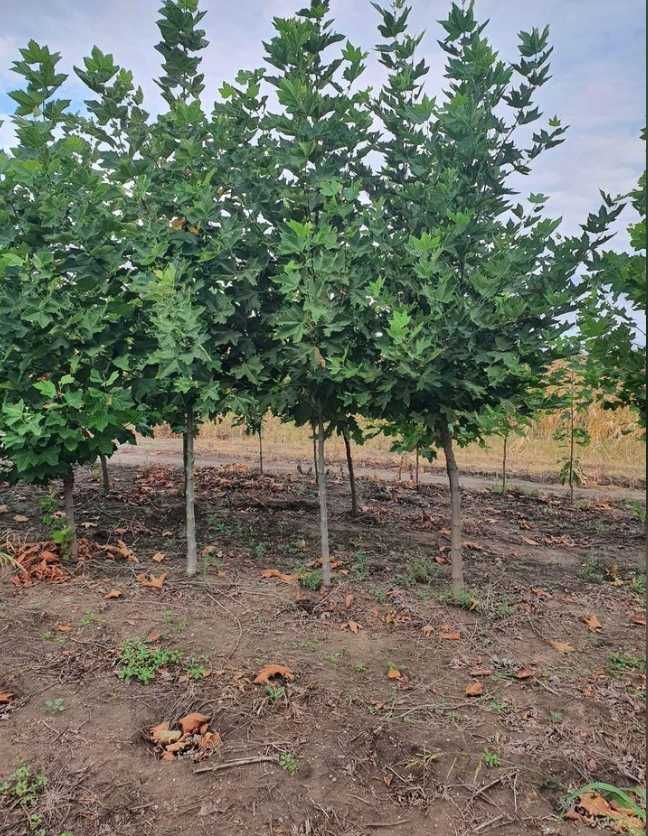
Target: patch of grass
x: 638, y: 585
x: 592, y: 571
x: 139, y: 661
x: 423, y: 570
x: 464, y: 599
x: 638, y: 509
x: 288, y: 761
x: 380, y: 595
x: 359, y: 667
x: 56, y: 524
x: 171, y: 620
x: 196, y: 667
x: 311, y: 580
x: 55, y: 706
x: 88, y: 618
x: 500, y: 707
x: 333, y: 658
x: 503, y: 609
x: 259, y: 551
x: 620, y: 663
x: 360, y: 565
x: 556, y: 717
x: 491, y: 759
x: 23, y: 789
x: 631, y: 799
x: 274, y: 693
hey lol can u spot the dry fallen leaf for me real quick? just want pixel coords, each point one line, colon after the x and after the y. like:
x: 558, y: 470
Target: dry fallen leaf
x: 638, y: 618
x: 163, y: 735
x: 167, y: 756
x: 393, y: 673
x: 449, y: 633
x: 474, y: 689
x: 4, y: 509
x: 5, y: 697
x: 523, y: 673
x: 353, y: 626
x: 348, y: 600
x: 427, y: 630
x: 114, y: 593
x: 275, y: 573
x: 595, y: 805
x: 529, y: 541
x: 190, y: 723
x: 592, y: 622
x: 561, y: 647
x: 64, y: 628
x: 158, y: 557
x: 20, y: 518
x: 481, y: 671
x: 267, y: 672
x: 210, y: 740
x: 152, y: 581
x: 153, y: 636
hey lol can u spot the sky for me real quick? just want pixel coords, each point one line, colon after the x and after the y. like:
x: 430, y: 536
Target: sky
x: 598, y: 69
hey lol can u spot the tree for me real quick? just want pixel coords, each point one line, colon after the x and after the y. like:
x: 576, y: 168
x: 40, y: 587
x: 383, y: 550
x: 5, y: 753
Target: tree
x: 321, y: 249
x: 64, y: 324
x: 613, y: 338
x: 196, y: 256
x: 476, y: 289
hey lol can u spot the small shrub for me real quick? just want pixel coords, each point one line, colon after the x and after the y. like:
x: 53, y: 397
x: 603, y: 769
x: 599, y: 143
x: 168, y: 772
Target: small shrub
x: 361, y: 565
x: 22, y: 790
x: 620, y: 663
x: 380, y: 595
x: 491, y: 759
x: 55, y: 705
x: 638, y: 585
x: 311, y: 580
x: 140, y: 662
x: 274, y: 693
x: 288, y: 762
x: 196, y: 667
x: 423, y: 570
x: 463, y: 599
x: 592, y: 571
x: 56, y: 524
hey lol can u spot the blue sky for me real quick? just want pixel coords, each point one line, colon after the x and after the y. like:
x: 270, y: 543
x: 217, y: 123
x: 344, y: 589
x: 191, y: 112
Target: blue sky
x: 598, y: 66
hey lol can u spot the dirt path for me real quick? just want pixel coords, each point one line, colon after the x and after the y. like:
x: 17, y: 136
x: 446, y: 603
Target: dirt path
x: 169, y: 452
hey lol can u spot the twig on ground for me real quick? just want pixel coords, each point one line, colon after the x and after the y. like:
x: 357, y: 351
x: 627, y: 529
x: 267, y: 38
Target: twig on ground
x: 238, y: 762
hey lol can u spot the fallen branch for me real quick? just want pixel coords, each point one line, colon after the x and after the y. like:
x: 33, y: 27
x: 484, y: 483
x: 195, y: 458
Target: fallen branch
x: 238, y: 762
x: 387, y: 823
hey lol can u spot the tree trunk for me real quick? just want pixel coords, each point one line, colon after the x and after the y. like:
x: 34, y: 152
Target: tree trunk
x: 68, y: 499
x: 190, y: 510
x: 418, y: 484
x: 571, y: 451
x: 352, y: 481
x: 321, y: 485
x: 260, y: 452
x: 456, y: 556
x: 184, y: 462
x: 504, y: 463
x: 105, y: 478
x: 315, y: 469
x: 400, y: 468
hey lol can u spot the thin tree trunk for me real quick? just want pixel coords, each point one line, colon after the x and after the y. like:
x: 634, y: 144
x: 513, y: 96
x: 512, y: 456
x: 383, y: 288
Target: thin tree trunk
x: 105, y: 477
x: 321, y: 485
x: 400, y: 468
x: 352, y: 481
x: 456, y: 555
x: 68, y: 499
x: 418, y: 484
x: 571, y: 450
x: 504, y: 463
x: 184, y: 462
x: 260, y: 452
x: 315, y: 469
x: 190, y: 510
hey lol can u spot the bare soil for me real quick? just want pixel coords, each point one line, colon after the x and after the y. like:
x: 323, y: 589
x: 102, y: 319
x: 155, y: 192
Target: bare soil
x: 361, y: 753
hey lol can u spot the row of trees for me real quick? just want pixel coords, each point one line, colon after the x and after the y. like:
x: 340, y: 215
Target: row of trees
x: 305, y: 244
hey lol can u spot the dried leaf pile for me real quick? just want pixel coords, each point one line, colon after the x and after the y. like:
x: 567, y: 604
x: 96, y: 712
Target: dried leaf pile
x: 191, y: 737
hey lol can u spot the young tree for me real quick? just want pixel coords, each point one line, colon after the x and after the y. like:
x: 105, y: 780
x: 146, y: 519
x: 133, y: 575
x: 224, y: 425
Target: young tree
x: 476, y: 287
x: 64, y: 325
x: 321, y: 253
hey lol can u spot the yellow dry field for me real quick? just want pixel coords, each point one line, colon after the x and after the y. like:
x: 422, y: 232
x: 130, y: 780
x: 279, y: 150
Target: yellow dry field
x: 616, y: 451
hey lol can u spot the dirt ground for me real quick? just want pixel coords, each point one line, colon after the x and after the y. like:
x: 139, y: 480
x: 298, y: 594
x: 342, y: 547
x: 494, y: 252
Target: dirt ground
x: 406, y: 713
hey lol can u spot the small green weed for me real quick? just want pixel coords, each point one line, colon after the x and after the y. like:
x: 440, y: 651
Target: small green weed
x: 423, y: 570
x: 274, y: 693
x: 360, y: 565
x: 55, y: 705
x: 491, y: 759
x: 171, y: 620
x: 592, y: 571
x: 196, y: 667
x: 556, y: 717
x: 140, y: 662
x: 500, y: 707
x: 638, y: 585
x: 380, y: 595
x: 620, y: 663
x: 259, y: 551
x: 88, y: 618
x: 288, y: 762
x: 464, y: 599
x: 359, y: 667
x: 56, y: 523
x: 638, y: 510
x: 311, y: 580
x: 22, y: 790
x: 503, y: 610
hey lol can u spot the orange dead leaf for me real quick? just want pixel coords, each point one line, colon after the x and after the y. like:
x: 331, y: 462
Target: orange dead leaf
x: 481, y: 671
x: 474, y: 689
x: 393, y: 673
x: 427, y: 630
x: 64, y: 628
x: 152, y: 581
x: 595, y: 805
x: 275, y: 573
x: 162, y: 734
x: 523, y: 673
x: 5, y: 697
x: 267, y: 672
x: 210, y: 740
x: 20, y: 518
x: 348, y: 600
x: 167, y: 756
x: 114, y: 593
x: 638, y: 618
x: 561, y: 647
x: 353, y: 626
x: 158, y: 557
x: 592, y: 622
x: 449, y: 633
x: 190, y: 723
x: 153, y: 636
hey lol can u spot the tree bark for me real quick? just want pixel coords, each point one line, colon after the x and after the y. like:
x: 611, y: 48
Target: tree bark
x: 504, y: 463
x: 68, y: 499
x: 184, y: 462
x: 105, y: 477
x: 456, y: 555
x: 314, y: 433
x: 571, y: 448
x: 260, y: 451
x: 190, y: 510
x: 400, y: 468
x: 418, y: 484
x: 352, y: 481
x: 321, y: 486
